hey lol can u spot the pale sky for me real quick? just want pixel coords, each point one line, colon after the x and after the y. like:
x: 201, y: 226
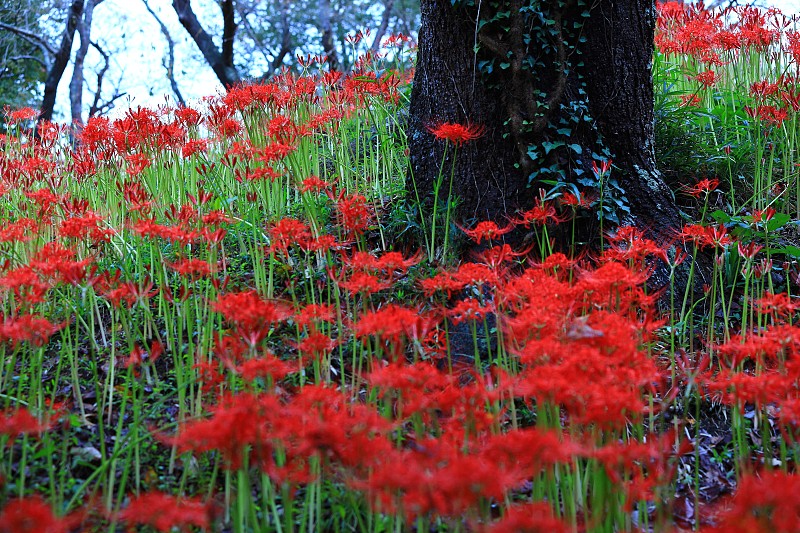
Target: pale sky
x: 137, y: 46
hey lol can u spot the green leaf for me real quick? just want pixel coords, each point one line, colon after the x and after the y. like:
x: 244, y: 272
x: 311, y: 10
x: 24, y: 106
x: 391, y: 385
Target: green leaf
x: 721, y: 217
x: 794, y: 251
x: 550, y: 146
x: 778, y: 221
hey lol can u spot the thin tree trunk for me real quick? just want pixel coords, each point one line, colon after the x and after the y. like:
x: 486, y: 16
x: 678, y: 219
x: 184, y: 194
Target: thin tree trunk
x: 388, y: 6
x: 84, y: 29
x: 60, y: 61
x: 326, y: 27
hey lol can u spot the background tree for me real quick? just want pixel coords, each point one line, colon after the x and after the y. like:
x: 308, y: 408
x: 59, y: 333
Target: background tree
x: 560, y: 87
x: 258, y: 37
x: 43, y: 34
x: 24, y: 52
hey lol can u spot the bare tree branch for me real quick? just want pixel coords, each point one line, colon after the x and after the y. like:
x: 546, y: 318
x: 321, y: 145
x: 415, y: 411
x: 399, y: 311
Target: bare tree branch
x: 226, y: 72
x: 388, y: 6
x: 31, y: 37
x: 26, y: 58
x: 169, y: 61
x: 286, y: 44
x: 98, y: 107
x: 251, y: 33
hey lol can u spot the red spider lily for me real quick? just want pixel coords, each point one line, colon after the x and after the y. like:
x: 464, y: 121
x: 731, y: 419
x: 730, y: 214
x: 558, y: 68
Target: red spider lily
x: 139, y: 355
x: 540, y: 214
x: 584, y: 200
x: 444, y: 281
x: 165, y: 512
x: 749, y: 250
x: 316, y: 422
x: 354, y: 212
x: 33, y: 515
x: 362, y: 283
x: 597, y: 376
x: 20, y: 421
x: 394, y: 262
x: 767, y: 348
x: 705, y: 236
x: 25, y: 284
x: 603, y: 169
x: 289, y: 232
x: 236, y: 427
x: 194, y: 146
x: 690, y: 100
x: 20, y: 231
x: 497, y: 256
x: 534, y: 517
x: 779, y: 306
x: 135, y: 196
x: 265, y: 366
x: 703, y: 187
x: 187, y: 116
x: 313, y: 184
x: 740, y: 389
x: 275, y: 151
x: 20, y: 115
x: 629, y: 245
x: 28, y: 328
x: 707, y: 78
x: 87, y: 225
x: 486, y: 230
x: 314, y: 313
x: 456, y: 133
x: 316, y: 344
x: 763, y: 215
x: 216, y: 218
x: 393, y: 322
x: 767, y: 501
x: 177, y: 234
x: 418, y: 387
x: 478, y: 274
x: 615, y: 287
x: 192, y: 268
x: 641, y: 468
x: 447, y: 477
x: 251, y: 315
x: 469, y: 309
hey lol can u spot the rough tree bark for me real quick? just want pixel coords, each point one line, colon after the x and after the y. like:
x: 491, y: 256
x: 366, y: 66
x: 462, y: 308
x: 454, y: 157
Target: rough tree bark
x: 447, y: 88
x: 613, y: 81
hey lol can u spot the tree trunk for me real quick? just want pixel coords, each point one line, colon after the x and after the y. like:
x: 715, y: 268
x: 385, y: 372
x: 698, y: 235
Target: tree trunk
x: 326, y: 27
x: 448, y: 88
x: 60, y: 61
x: 551, y: 109
x: 84, y: 29
x: 221, y: 62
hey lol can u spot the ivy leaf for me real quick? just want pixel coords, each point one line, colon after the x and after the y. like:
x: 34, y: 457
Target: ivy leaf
x: 550, y: 146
